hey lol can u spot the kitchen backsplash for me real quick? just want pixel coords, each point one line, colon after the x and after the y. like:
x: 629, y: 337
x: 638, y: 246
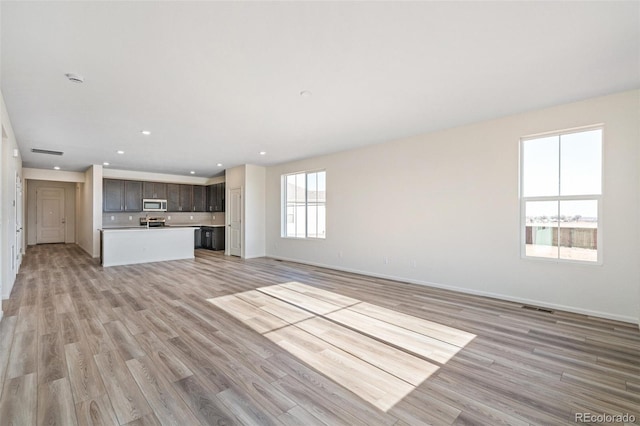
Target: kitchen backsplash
x: 126, y: 219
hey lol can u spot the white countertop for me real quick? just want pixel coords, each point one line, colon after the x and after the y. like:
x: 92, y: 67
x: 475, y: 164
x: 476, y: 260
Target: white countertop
x: 169, y: 226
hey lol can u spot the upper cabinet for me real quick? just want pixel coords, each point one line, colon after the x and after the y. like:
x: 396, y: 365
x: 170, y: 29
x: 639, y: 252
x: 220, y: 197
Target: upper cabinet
x: 173, y: 197
x: 132, y: 196
x: 199, y: 198
x: 121, y: 195
x: 215, y: 197
x: 154, y: 190
x: 179, y: 198
x: 112, y: 195
x: 126, y: 196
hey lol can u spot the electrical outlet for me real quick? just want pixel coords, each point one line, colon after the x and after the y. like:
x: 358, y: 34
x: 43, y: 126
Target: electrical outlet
x: 130, y: 217
x: 190, y: 217
x: 168, y: 217
x: 386, y: 260
x: 213, y: 218
x: 113, y: 218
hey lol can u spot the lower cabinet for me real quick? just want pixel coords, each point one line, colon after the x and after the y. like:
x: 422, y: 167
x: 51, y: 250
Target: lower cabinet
x: 212, y: 237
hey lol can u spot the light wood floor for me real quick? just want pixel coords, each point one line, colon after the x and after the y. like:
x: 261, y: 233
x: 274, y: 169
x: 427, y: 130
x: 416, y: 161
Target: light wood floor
x: 219, y: 340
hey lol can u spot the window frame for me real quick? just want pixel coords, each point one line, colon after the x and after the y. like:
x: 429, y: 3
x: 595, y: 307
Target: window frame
x: 559, y: 198
x: 283, y: 206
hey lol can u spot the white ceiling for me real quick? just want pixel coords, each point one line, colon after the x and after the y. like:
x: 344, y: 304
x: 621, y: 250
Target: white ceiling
x: 218, y: 82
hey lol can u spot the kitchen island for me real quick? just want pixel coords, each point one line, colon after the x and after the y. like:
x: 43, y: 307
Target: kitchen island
x: 129, y: 245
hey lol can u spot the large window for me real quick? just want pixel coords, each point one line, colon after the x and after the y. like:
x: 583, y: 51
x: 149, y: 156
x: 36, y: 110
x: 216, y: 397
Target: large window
x: 561, y: 192
x: 304, y: 210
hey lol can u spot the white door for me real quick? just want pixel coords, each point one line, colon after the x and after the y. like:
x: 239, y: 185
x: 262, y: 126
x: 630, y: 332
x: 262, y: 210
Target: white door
x: 18, y: 211
x: 50, y: 224
x: 235, y: 222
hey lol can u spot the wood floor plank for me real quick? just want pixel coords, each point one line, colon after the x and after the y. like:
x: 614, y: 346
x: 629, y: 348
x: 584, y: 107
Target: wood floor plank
x: 51, y: 360
x: 245, y: 409
x: 18, y: 405
x: 85, y: 380
x: 55, y: 404
x: 27, y: 319
x: 298, y: 416
x: 70, y: 327
x: 164, y: 359
x: 405, y: 366
x: 125, y: 343
x: 126, y: 399
x: 23, y: 358
x: 203, y: 402
x: 7, y: 327
x: 433, y: 329
x: 97, y: 337
x: 416, y: 343
x: 165, y: 402
x: 310, y: 303
x: 47, y: 320
x: 96, y: 412
x: 522, y: 367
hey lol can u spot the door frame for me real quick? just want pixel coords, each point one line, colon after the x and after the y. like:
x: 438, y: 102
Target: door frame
x: 63, y: 215
x: 228, y: 216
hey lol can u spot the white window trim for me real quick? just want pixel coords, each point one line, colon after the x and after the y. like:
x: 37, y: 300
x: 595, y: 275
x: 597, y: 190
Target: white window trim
x: 596, y: 197
x: 283, y: 207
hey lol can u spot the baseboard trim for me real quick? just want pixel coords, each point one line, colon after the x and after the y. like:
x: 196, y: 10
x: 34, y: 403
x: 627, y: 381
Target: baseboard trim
x: 499, y: 296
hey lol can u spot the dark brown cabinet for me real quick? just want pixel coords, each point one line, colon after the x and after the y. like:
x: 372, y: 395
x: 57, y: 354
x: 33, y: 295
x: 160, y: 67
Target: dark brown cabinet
x: 132, y: 196
x: 179, y: 198
x: 199, y: 198
x: 212, y: 237
x: 154, y: 190
x: 215, y: 197
x: 186, y: 198
x: 173, y: 197
x: 121, y: 195
x: 112, y: 195
x: 126, y: 196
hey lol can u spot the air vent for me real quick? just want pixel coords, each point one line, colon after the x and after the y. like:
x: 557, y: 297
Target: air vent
x: 46, y: 151
x: 537, y: 308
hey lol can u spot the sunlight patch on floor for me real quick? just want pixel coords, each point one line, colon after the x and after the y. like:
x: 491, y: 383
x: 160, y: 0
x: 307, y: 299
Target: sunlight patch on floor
x: 378, y: 353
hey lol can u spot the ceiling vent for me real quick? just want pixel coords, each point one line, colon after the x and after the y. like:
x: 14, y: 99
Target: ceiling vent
x: 46, y: 151
x: 74, y: 78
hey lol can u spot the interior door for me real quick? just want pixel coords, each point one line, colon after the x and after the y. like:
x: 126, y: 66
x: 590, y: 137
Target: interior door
x: 235, y: 222
x: 18, y: 212
x: 50, y: 222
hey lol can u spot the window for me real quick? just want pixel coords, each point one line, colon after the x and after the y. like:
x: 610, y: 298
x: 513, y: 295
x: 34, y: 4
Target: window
x: 561, y: 192
x: 305, y: 205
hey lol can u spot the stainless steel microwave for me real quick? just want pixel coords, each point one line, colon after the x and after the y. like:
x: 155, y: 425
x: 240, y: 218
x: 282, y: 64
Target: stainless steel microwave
x: 154, y: 205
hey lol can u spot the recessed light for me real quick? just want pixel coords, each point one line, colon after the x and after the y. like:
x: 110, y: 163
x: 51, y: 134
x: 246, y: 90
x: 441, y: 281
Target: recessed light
x: 105, y: 164
x: 56, y: 168
x: 74, y: 78
x: 145, y: 132
x: 219, y: 164
x: 305, y: 94
x: 192, y: 172
x: 263, y: 152
x: 120, y: 152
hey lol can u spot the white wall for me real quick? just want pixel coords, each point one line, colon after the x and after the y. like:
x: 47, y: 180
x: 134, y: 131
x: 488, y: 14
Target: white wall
x: 159, y: 177
x: 443, y: 209
x: 9, y: 166
x: 254, y: 212
x: 235, y: 178
x: 251, y: 180
x: 89, y: 211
